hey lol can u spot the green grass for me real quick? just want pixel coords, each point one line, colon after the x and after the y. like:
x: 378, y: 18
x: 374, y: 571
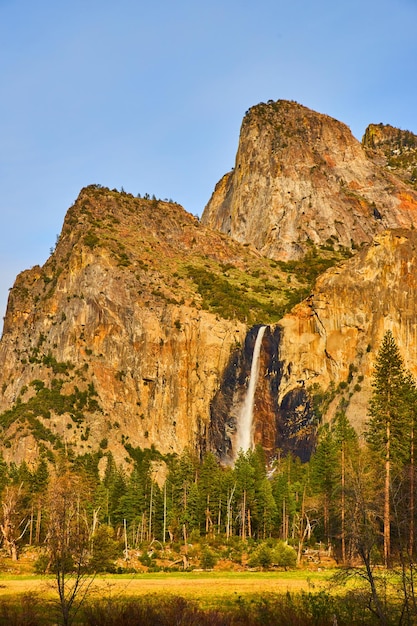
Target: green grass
x: 203, y: 598
x: 294, y: 574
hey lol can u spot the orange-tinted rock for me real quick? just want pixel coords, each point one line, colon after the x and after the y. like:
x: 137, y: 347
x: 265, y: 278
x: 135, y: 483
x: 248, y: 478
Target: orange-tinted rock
x: 302, y: 179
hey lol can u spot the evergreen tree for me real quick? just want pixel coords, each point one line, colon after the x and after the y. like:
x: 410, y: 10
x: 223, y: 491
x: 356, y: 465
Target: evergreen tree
x: 348, y: 451
x: 324, y: 474
x: 209, y: 489
x: 403, y: 476
x: 115, y: 488
x: 287, y: 485
x: 245, y: 491
x: 182, y: 498
x: 387, y: 427
x: 411, y: 395
x: 39, y: 481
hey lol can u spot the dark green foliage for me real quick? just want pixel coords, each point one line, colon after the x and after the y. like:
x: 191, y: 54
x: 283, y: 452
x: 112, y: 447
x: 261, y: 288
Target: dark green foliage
x: 228, y: 300
x: 388, y: 408
x: 208, y: 559
x: 86, y: 465
x: 123, y: 259
x: 273, y: 553
x: 325, y: 472
x: 57, y: 367
x: 261, y: 557
x: 91, y: 239
x: 105, y: 550
x: 41, y: 433
x: 47, y: 400
x: 312, y: 265
x: 284, y: 555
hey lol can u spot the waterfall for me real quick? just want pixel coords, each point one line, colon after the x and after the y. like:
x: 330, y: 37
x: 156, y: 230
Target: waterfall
x: 244, y: 438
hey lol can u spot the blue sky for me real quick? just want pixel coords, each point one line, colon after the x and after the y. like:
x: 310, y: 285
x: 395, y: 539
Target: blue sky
x: 150, y: 96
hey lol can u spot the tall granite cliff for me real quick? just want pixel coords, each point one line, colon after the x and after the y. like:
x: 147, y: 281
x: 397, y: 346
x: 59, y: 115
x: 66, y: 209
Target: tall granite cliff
x: 122, y: 337
x: 319, y: 358
x: 140, y: 328
x: 302, y: 179
x: 328, y: 343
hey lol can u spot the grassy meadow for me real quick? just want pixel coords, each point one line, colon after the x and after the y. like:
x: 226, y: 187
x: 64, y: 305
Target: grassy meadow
x: 217, y: 598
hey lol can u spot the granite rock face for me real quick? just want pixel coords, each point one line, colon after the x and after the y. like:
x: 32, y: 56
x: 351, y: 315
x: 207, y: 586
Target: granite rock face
x: 328, y: 343
x: 319, y: 358
x: 300, y: 180
x: 103, y: 346
x: 140, y: 328
x: 394, y: 149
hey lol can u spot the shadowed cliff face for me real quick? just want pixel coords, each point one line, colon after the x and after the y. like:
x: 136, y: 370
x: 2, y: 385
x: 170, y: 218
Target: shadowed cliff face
x: 288, y: 425
x: 300, y: 180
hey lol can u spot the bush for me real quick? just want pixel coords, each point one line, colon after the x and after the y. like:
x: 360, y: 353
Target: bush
x: 208, y: 559
x: 41, y: 564
x: 284, y: 555
x: 91, y: 239
x: 271, y: 553
x: 26, y: 610
x: 261, y: 557
x: 105, y: 551
x: 159, y: 611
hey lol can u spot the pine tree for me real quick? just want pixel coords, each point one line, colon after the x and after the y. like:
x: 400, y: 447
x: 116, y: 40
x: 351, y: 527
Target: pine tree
x: 404, y: 476
x: 324, y: 474
x: 348, y: 450
x: 387, y: 427
x: 245, y: 490
x: 209, y: 487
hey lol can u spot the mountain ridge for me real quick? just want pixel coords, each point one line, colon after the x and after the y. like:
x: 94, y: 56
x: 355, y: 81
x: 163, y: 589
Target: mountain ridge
x: 137, y: 331
x: 131, y: 319
x: 301, y: 178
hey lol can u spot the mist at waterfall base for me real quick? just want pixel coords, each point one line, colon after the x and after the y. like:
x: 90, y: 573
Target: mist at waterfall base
x: 244, y: 434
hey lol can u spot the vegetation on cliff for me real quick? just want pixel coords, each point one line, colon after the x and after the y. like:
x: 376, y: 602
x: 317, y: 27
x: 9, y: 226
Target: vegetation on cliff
x: 118, y: 254
x: 397, y: 148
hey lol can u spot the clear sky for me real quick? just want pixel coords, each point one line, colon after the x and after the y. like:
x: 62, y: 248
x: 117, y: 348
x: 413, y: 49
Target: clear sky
x: 149, y: 96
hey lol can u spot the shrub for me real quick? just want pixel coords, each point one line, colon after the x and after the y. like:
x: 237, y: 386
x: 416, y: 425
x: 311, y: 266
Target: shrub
x: 91, y: 239
x: 261, y: 557
x: 271, y: 553
x: 284, y: 555
x: 208, y: 559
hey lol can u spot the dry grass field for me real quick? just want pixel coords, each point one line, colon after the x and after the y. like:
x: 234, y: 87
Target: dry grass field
x: 207, y: 588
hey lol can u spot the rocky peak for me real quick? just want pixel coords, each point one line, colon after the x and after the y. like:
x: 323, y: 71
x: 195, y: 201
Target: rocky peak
x: 300, y: 180
x: 140, y: 328
x: 122, y: 337
x: 393, y: 148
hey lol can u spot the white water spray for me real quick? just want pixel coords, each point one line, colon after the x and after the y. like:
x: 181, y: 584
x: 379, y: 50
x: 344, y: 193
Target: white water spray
x: 244, y: 438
